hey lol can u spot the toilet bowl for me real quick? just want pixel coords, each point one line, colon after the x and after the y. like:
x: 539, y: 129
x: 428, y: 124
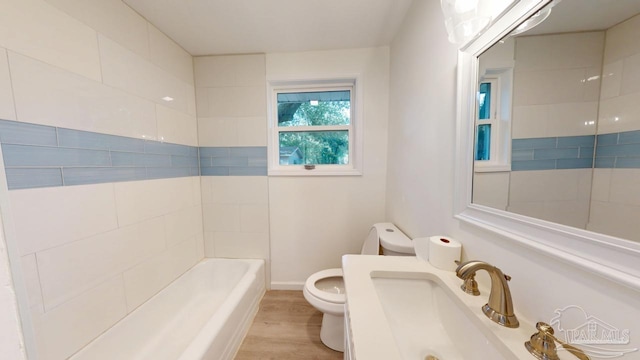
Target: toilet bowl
x: 324, y: 290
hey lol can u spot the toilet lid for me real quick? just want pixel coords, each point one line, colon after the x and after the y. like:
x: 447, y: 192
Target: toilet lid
x: 324, y: 295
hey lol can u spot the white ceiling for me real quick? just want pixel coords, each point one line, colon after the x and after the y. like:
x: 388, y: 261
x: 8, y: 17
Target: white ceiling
x: 207, y: 27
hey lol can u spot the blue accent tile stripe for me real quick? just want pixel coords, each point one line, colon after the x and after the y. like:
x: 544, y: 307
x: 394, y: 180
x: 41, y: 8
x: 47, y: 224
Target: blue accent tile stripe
x: 28, y: 178
x: 566, y: 152
x: 89, y: 140
x: 233, y: 161
x: 12, y: 132
x: 44, y: 156
x: 618, y: 150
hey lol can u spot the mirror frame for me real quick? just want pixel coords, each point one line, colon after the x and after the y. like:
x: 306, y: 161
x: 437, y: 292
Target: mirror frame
x: 610, y: 257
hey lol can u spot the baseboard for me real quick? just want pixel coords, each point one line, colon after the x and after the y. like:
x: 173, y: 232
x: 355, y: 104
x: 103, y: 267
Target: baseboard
x: 287, y: 285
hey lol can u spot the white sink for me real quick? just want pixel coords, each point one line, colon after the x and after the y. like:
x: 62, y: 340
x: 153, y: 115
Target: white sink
x: 426, y: 319
x: 400, y: 307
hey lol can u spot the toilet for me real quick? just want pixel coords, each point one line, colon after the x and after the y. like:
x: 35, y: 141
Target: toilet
x: 324, y: 290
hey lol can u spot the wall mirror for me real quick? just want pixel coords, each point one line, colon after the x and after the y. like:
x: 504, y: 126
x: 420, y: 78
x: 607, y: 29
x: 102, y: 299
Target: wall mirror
x: 549, y: 132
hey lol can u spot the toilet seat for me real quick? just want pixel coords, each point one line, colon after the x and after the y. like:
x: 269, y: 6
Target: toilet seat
x: 310, y: 286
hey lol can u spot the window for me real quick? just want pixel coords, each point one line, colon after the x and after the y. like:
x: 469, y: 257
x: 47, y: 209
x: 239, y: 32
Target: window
x: 493, y: 131
x: 487, y: 118
x: 313, y: 128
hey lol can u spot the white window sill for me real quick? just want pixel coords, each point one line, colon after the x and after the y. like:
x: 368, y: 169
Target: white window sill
x: 299, y: 170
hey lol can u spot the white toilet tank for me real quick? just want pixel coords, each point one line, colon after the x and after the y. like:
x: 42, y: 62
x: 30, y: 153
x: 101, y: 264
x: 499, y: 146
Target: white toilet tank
x: 390, y: 238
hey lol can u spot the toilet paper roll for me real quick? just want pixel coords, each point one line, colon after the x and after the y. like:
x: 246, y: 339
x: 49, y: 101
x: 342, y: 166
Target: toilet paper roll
x: 443, y: 252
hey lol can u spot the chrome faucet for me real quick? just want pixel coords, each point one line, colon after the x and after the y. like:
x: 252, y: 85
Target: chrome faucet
x: 500, y: 306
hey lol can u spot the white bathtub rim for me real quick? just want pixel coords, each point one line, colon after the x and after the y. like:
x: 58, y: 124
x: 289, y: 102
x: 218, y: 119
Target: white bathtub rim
x: 254, y: 273
x: 200, y: 345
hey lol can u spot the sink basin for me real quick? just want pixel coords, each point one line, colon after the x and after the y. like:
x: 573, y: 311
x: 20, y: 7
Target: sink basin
x: 425, y: 319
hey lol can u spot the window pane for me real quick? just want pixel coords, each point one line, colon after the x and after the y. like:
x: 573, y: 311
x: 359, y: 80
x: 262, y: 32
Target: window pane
x: 314, y: 147
x: 314, y: 108
x: 484, y: 101
x: 483, y: 142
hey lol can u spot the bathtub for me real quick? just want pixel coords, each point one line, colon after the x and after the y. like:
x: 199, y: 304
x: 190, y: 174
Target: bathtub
x: 204, y: 314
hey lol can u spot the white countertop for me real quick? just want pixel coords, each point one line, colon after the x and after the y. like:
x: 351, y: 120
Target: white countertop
x: 371, y: 335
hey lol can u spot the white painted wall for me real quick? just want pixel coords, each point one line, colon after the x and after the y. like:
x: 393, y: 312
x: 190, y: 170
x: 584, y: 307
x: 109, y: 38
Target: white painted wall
x: 315, y: 220
x: 420, y: 193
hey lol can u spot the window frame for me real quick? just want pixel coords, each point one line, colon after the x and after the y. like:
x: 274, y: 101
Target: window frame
x: 500, y: 121
x: 354, y: 166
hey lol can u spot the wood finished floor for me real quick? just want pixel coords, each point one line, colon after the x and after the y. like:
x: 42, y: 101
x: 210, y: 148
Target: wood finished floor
x: 286, y: 327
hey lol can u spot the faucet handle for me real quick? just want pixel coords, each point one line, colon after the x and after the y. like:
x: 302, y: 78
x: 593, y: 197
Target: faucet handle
x: 470, y: 286
x: 543, y: 344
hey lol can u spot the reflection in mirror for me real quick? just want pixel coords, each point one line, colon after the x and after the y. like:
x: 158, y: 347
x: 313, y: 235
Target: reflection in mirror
x: 558, y: 119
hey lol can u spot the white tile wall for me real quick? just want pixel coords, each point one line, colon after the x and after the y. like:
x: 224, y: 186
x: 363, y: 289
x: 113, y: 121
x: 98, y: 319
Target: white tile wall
x: 624, y: 184
x: 67, y: 271
x: 601, y: 184
x: 221, y: 217
x: 237, y: 101
x: 247, y: 245
x: 231, y: 100
x: 564, y: 51
x: 620, y: 113
x: 254, y: 218
x: 47, y: 95
x: 560, y: 196
x: 229, y: 71
x: 620, y: 94
x: 140, y: 200
x: 611, y: 79
x: 65, y: 329
x: 150, y: 237
x: 176, y: 127
x: 112, y: 18
x: 50, y: 217
x: 491, y: 189
x: 236, y: 216
x: 230, y: 131
x: 146, y: 279
x: 126, y: 71
x: 615, y: 200
x: 11, y: 342
x: 252, y: 131
x: 547, y: 185
x: 615, y: 219
x: 572, y: 119
x: 37, y: 29
x: 622, y: 40
x: 556, y: 92
x: 169, y: 56
x: 630, y: 82
x: 7, y: 108
x: 556, y: 86
x: 551, y: 120
x: 32, y: 281
x: 183, y: 225
x: 91, y: 253
x: 217, y: 131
